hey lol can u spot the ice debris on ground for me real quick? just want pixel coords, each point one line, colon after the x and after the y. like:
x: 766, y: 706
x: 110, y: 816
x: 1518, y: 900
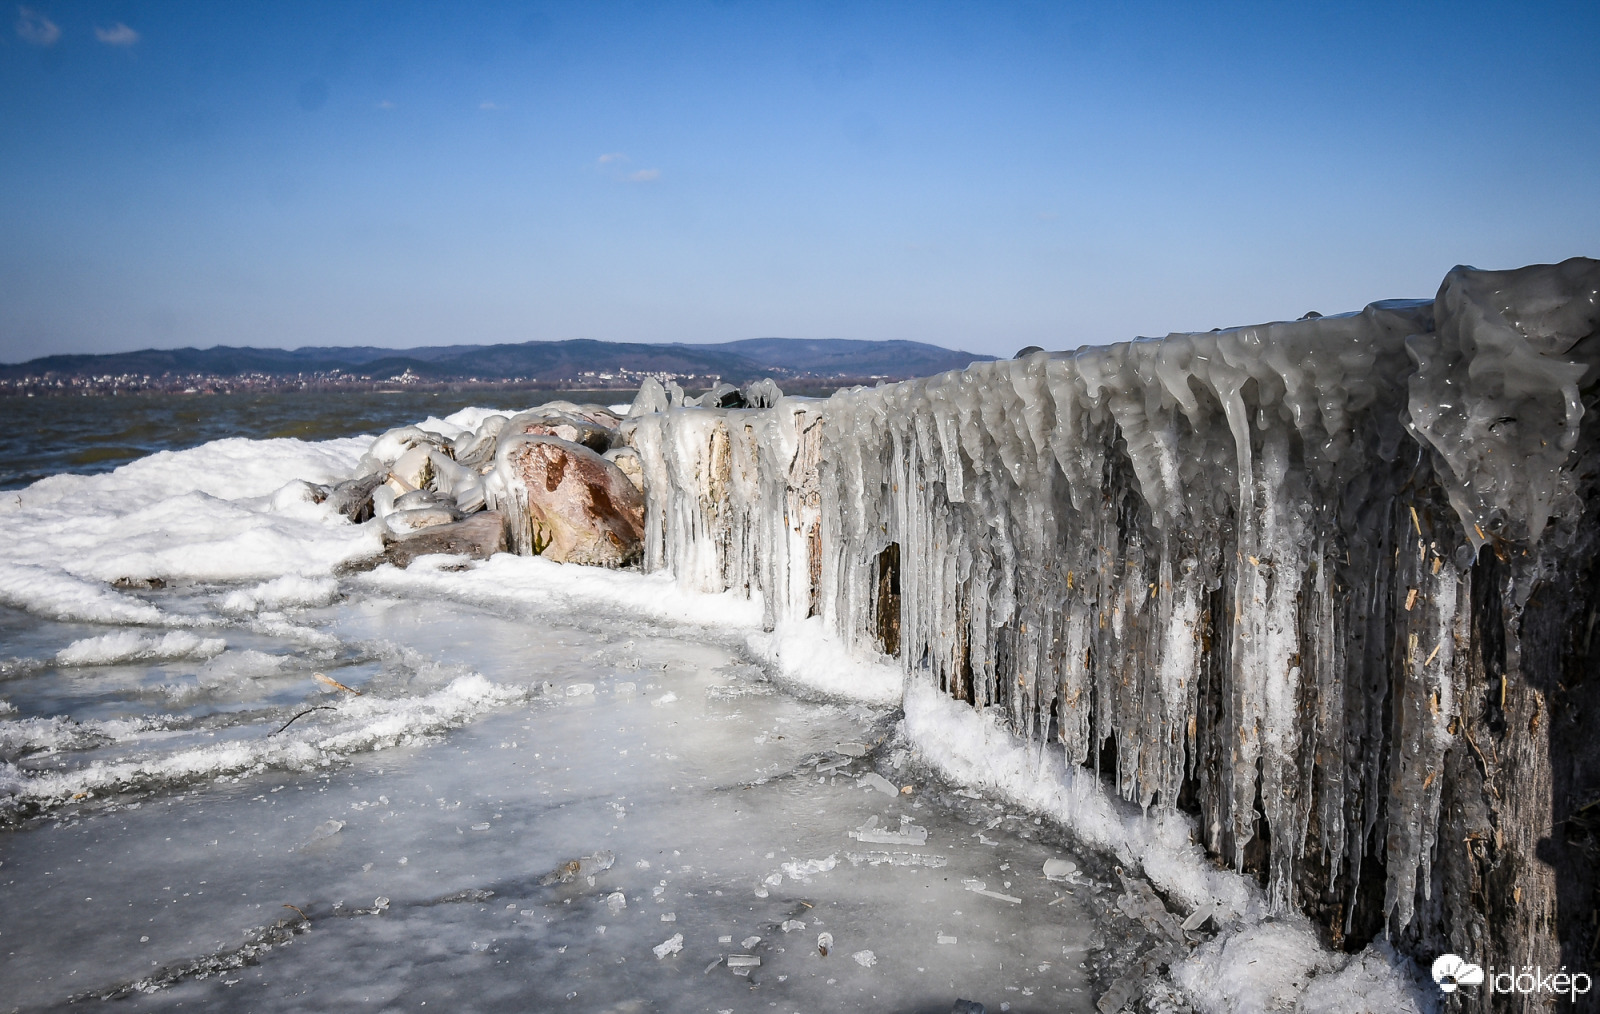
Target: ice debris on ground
x: 583, y: 866
x: 908, y: 834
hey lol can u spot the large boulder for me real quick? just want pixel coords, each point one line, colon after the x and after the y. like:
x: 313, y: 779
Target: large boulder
x: 567, y: 503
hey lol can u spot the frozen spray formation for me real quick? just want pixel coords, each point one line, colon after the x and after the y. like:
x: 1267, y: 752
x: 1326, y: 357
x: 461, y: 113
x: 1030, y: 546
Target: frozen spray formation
x: 1329, y: 586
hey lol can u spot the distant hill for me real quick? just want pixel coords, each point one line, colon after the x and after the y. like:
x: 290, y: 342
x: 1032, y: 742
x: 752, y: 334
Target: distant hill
x: 572, y: 361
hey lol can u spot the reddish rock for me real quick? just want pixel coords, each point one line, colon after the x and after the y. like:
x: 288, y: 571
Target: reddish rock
x: 567, y: 503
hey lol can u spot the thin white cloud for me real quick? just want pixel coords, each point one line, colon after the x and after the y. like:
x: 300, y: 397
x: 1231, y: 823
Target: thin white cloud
x: 386, y: 104
x: 36, y: 29
x: 615, y: 156
x: 644, y: 176
x: 488, y: 105
x: 118, y: 34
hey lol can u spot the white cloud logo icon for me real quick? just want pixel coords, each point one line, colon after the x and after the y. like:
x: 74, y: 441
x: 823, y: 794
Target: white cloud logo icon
x: 1451, y: 970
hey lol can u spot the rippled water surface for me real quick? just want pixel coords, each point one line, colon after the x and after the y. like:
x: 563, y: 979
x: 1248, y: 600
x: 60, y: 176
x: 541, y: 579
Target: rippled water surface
x: 47, y: 435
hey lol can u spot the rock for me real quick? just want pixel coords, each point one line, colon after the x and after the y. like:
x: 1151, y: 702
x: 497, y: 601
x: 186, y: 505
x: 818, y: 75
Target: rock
x: 412, y: 470
x: 763, y: 393
x: 414, y: 499
x: 298, y: 492
x: 392, y: 445
x: 597, y: 414
x: 475, y: 448
x: 353, y: 497
x: 565, y: 425
x: 654, y: 397
x: 430, y: 469
x: 627, y: 459
x: 470, y: 496
x: 406, y: 521
x: 478, y: 537
x: 722, y: 396
x: 565, y: 502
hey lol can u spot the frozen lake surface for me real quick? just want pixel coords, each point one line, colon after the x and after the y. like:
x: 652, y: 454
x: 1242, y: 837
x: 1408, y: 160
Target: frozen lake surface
x: 416, y: 857
x: 240, y: 770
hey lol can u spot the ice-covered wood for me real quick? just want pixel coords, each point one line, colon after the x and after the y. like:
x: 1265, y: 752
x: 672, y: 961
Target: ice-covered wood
x: 1327, y: 585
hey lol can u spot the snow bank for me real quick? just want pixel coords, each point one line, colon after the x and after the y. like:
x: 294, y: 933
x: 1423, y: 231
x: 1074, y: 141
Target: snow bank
x: 804, y: 652
x: 506, y: 580
x: 207, y: 514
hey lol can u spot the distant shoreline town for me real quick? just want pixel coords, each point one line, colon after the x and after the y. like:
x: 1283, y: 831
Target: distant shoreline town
x: 167, y: 383
x: 566, y: 365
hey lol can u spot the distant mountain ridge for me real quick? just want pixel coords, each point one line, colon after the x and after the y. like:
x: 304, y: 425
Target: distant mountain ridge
x: 571, y: 360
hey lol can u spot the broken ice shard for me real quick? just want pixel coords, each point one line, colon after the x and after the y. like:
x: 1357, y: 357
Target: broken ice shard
x: 909, y: 834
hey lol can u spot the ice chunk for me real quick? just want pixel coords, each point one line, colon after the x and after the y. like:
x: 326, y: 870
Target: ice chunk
x: 580, y: 689
x: 1198, y: 917
x: 866, y: 959
x: 802, y: 869
x: 1060, y: 869
x: 979, y: 887
x: 946, y: 938
x: 616, y: 901
x: 851, y: 749
x: 909, y: 834
x: 671, y: 945
x: 895, y: 859
x: 584, y: 866
x: 791, y: 925
x: 743, y: 961
x: 877, y: 781
x: 749, y: 942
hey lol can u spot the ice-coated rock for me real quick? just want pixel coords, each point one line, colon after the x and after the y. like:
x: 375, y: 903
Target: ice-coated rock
x: 415, y: 499
x: 763, y: 393
x: 545, y: 421
x: 353, y: 497
x: 627, y: 459
x: 477, y: 537
x: 404, y: 521
x: 721, y: 396
x: 475, y: 448
x: 567, y: 503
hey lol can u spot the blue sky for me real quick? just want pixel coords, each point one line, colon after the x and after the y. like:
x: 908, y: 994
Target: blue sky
x: 982, y: 176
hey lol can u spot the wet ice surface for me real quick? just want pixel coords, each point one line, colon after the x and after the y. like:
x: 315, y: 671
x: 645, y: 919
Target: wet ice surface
x: 417, y: 870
